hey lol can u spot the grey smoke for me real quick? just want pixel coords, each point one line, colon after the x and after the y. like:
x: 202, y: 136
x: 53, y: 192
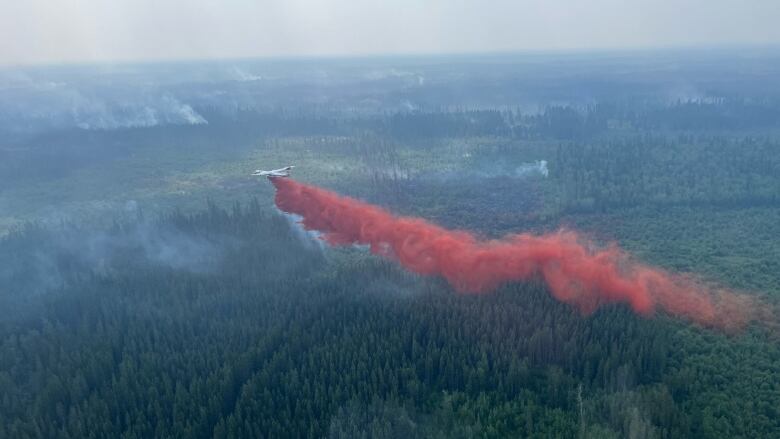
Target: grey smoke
x: 538, y: 167
x: 309, y: 238
x: 238, y: 74
x: 92, y: 114
x: 481, y: 169
x: 27, y: 270
x: 45, y: 101
x: 166, y: 246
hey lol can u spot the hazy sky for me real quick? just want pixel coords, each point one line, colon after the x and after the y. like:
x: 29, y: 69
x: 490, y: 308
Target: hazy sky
x: 50, y: 31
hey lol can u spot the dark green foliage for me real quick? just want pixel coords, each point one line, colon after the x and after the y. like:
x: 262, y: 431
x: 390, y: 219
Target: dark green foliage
x: 230, y: 323
x: 291, y: 343
x: 683, y: 170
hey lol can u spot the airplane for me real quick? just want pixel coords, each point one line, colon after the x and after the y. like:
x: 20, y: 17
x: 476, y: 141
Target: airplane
x: 281, y: 172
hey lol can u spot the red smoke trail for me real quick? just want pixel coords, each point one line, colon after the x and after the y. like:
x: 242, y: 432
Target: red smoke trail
x: 574, y: 273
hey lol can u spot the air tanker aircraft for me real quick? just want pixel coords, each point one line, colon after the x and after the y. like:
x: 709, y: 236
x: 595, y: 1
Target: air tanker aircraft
x: 281, y: 172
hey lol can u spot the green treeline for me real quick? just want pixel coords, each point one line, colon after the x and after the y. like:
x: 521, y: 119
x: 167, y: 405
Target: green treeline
x: 681, y: 170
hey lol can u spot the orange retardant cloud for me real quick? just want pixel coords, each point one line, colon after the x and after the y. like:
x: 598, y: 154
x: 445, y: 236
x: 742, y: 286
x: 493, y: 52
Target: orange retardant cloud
x: 574, y: 272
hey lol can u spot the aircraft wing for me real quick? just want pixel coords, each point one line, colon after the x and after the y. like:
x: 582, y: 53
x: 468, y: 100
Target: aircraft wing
x: 281, y: 172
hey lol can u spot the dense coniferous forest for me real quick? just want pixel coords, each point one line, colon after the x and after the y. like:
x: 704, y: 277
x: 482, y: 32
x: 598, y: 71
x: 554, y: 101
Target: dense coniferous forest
x: 149, y: 288
x: 339, y: 344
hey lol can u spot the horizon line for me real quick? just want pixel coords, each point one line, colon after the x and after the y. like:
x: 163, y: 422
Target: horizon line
x: 335, y: 56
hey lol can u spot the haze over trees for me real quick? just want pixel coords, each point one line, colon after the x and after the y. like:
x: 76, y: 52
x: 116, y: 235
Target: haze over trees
x: 148, y: 288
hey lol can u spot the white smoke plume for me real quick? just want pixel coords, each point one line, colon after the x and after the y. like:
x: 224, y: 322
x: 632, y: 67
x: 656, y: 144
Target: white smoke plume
x: 309, y: 238
x: 538, y: 167
x: 102, y: 115
x: 238, y: 74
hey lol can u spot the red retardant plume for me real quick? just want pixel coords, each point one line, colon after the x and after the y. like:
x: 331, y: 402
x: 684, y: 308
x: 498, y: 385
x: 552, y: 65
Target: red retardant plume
x: 574, y: 272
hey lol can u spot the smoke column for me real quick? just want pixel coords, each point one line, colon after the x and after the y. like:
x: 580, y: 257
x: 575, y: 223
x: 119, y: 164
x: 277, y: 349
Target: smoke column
x: 574, y: 272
